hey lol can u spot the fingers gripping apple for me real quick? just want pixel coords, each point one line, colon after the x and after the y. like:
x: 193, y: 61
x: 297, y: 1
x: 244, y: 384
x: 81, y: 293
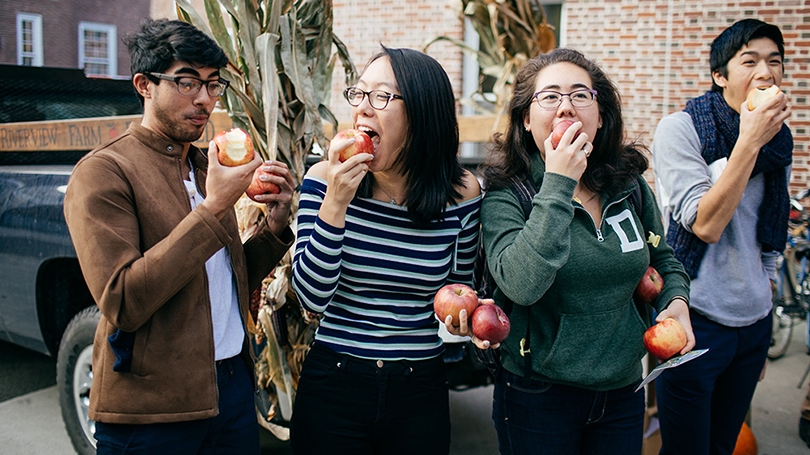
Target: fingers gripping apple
x: 362, y: 143
x: 257, y: 186
x: 489, y: 322
x: 757, y: 96
x: 234, y: 147
x: 665, y: 339
x: 451, y: 299
x: 558, y: 131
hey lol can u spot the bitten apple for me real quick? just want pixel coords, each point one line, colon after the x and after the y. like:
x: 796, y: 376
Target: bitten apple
x: 234, y: 147
x: 759, y: 95
x: 665, y: 339
x: 560, y: 129
x: 257, y: 186
x: 362, y: 143
x: 490, y: 322
x: 452, y: 298
x: 648, y: 289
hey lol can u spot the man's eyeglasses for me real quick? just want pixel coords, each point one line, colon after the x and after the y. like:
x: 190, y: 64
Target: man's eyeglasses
x: 550, y: 99
x: 378, y: 99
x: 190, y: 86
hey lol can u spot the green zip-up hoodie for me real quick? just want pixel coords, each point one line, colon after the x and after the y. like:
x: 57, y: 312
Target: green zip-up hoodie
x: 573, y: 281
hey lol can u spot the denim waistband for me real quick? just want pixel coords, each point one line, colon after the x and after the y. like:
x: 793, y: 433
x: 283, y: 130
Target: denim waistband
x: 352, y: 363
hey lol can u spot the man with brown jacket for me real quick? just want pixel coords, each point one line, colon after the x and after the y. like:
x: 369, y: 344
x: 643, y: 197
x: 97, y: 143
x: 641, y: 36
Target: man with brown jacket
x: 155, y: 232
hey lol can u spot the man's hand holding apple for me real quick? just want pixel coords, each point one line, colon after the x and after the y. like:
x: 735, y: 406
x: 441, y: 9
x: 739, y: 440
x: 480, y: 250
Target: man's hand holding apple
x: 276, y: 176
x: 225, y: 184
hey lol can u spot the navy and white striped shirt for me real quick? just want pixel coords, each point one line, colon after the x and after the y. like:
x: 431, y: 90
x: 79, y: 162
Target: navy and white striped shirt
x: 375, y: 279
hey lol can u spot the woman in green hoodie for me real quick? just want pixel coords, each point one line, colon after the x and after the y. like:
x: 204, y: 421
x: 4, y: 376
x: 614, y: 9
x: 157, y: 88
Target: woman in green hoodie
x: 573, y: 358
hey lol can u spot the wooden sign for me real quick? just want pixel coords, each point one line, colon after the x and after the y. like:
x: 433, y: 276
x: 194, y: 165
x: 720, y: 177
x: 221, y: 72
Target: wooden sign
x: 89, y: 133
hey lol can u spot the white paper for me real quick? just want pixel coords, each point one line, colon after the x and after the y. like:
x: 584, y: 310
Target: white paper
x: 671, y: 363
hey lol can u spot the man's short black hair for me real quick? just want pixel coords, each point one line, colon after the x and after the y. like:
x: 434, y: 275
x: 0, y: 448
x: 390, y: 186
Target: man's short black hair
x: 728, y: 43
x: 159, y: 43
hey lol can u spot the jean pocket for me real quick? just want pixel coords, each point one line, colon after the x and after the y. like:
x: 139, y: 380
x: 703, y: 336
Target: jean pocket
x: 525, y: 385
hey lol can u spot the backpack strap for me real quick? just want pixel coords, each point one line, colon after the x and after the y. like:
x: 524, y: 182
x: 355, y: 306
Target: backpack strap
x: 525, y: 190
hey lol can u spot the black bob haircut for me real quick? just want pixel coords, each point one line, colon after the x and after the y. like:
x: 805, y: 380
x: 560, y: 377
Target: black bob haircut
x: 429, y: 157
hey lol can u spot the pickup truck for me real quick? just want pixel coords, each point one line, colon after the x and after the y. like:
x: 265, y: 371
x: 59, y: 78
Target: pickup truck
x: 44, y: 303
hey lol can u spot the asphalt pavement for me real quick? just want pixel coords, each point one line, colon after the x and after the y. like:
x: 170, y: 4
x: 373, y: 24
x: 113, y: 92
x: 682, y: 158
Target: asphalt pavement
x: 31, y: 424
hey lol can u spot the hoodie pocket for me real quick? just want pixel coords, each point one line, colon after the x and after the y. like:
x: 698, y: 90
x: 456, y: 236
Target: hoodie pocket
x: 596, y: 348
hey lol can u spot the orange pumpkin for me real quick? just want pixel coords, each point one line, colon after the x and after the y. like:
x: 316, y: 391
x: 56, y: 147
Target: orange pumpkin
x: 746, y: 442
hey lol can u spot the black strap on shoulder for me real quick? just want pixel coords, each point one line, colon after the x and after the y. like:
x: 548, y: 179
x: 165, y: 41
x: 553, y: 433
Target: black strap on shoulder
x: 525, y: 190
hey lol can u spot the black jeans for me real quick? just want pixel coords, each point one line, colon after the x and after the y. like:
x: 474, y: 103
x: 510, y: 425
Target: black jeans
x: 347, y: 405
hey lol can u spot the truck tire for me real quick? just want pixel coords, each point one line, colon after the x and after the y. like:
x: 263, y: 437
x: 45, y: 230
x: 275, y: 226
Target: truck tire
x: 74, y: 376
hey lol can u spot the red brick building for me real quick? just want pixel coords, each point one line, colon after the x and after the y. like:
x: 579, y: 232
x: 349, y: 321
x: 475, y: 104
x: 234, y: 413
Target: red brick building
x: 69, y: 33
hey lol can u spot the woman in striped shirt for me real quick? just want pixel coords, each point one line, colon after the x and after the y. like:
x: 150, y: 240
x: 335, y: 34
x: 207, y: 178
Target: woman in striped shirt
x: 378, y: 235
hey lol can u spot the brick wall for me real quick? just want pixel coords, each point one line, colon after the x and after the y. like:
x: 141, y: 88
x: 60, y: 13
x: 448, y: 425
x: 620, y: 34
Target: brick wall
x: 365, y: 24
x: 60, y: 27
x: 657, y: 52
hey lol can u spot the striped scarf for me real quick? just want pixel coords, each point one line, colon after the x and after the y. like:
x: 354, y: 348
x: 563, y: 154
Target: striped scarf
x: 718, y: 127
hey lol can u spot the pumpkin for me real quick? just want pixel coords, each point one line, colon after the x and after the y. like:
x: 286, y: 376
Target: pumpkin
x: 746, y: 442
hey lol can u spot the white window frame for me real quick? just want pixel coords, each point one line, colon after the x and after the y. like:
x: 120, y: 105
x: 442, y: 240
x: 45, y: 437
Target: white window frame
x: 36, y: 55
x: 112, y: 47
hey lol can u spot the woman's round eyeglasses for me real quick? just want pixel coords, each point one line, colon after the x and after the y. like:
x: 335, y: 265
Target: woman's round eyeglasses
x: 190, y: 86
x: 550, y: 99
x: 378, y: 99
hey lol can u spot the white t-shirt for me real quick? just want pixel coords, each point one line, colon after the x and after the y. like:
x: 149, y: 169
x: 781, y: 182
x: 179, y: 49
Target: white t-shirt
x: 228, y: 331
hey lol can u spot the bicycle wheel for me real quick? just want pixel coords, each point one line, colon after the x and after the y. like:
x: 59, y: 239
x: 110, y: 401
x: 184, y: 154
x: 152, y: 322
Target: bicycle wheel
x: 782, y: 331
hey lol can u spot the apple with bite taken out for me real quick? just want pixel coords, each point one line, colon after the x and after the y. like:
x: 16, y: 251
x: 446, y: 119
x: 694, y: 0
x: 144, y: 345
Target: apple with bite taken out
x: 648, y: 289
x: 759, y: 95
x: 234, y: 147
x: 257, y: 186
x: 362, y: 143
x: 451, y: 299
x: 490, y: 322
x: 665, y: 339
x: 558, y: 131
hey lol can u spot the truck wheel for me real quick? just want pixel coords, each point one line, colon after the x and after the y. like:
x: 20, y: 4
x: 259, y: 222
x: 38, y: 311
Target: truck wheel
x: 74, y: 376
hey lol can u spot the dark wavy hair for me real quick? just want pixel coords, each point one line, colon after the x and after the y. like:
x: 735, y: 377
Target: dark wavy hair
x: 611, y: 165
x: 159, y: 43
x: 430, y: 153
x: 732, y: 39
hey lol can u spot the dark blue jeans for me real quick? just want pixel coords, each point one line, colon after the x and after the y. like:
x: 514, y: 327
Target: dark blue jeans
x: 234, y: 430
x: 534, y: 417
x: 702, y: 404
x: 352, y: 406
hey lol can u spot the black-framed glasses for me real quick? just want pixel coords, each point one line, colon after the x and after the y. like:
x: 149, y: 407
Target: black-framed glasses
x: 378, y: 99
x: 190, y: 86
x: 550, y: 99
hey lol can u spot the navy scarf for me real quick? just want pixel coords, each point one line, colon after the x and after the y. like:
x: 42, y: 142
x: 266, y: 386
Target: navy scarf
x: 718, y: 127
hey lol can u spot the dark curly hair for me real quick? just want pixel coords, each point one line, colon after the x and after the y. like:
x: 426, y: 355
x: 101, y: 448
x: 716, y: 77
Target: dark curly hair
x: 613, y: 162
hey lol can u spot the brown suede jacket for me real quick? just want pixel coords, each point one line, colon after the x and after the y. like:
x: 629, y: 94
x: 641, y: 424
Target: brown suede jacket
x: 142, y: 251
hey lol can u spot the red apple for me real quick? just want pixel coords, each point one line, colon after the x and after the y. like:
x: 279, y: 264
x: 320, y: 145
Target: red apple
x: 234, y: 147
x: 665, y: 339
x: 648, y: 289
x: 559, y: 129
x: 257, y: 186
x: 452, y: 298
x: 362, y: 143
x: 490, y: 322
